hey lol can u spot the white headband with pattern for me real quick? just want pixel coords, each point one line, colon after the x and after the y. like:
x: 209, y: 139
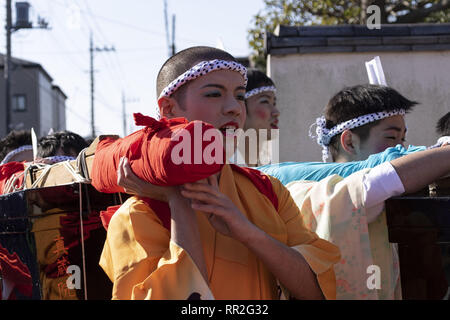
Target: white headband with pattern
x: 324, y: 135
x: 56, y: 159
x: 14, y: 152
x: 259, y: 90
x: 201, y: 69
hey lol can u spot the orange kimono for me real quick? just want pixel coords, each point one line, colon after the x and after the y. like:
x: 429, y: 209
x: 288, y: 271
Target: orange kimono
x: 143, y: 262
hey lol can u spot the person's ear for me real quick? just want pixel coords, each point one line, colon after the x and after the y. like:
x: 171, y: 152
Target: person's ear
x: 167, y: 106
x: 349, y: 141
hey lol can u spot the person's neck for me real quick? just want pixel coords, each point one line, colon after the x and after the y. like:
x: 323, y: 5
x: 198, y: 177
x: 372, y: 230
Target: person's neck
x: 342, y: 159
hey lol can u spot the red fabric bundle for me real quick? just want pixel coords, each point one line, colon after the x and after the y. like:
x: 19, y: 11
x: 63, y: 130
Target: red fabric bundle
x: 7, y: 170
x: 155, y: 155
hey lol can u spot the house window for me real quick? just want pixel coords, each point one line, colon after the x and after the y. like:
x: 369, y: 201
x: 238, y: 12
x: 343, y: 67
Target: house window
x: 19, y: 102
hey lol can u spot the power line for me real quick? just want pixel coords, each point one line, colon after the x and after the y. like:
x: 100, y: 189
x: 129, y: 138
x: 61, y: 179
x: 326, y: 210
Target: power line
x: 118, y: 66
x: 132, y: 50
x: 22, y: 22
x: 31, y: 76
x: 65, y: 38
x: 93, y: 49
x: 124, y: 114
x: 94, y: 96
x: 74, y: 62
x: 111, y: 61
x: 122, y: 76
x: 74, y: 42
x: 102, y: 101
x: 128, y: 25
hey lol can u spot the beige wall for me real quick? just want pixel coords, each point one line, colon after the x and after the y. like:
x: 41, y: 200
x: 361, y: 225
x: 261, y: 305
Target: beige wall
x: 306, y: 82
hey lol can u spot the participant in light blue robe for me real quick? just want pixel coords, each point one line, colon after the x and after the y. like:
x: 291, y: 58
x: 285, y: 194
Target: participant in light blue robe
x: 315, y: 171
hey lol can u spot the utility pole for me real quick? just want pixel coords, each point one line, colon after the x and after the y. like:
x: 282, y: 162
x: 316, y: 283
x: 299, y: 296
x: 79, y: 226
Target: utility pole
x: 124, y: 113
x: 166, y: 20
x: 7, y: 67
x: 171, y: 46
x: 21, y: 23
x: 93, y: 49
x: 173, y: 35
x: 91, y: 55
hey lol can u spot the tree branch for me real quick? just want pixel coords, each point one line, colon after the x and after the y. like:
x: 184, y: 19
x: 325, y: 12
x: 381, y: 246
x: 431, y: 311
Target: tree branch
x: 403, y: 5
x: 419, y: 15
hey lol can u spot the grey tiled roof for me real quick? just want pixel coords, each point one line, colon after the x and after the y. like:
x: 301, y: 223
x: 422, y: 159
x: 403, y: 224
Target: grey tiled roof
x: 358, y: 38
x: 23, y: 63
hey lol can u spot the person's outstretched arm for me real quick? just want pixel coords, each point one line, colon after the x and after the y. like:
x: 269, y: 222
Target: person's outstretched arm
x: 419, y: 169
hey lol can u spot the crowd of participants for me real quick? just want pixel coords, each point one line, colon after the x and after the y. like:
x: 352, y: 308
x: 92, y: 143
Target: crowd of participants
x: 16, y: 153
x: 295, y: 230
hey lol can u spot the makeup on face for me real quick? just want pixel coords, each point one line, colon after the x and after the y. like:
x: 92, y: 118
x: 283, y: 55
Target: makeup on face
x: 216, y: 98
x: 262, y: 111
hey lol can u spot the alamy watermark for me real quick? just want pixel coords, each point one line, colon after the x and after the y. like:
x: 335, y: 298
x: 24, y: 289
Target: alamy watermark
x: 374, y: 280
x: 249, y: 147
x: 74, y: 280
x: 373, y: 17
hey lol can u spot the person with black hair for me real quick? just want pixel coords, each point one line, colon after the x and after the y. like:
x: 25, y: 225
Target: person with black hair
x: 363, y: 126
x: 443, y: 131
x: 16, y: 146
x: 260, y: 102
x: 443, y: 126
x: 364, y: 130
x: 233, y: 236
x: 261, y: 120
x: 56, y: 147
x: 362, y: 120
x: 61, y: 143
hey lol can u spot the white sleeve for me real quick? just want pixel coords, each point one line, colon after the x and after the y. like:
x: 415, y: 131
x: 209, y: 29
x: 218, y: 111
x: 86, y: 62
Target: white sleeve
x: 444, y: 139
x: 380, y: 184
x: 440, y: 142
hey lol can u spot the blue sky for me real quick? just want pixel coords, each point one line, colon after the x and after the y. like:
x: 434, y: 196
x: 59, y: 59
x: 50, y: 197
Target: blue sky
x: 136, y: 28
